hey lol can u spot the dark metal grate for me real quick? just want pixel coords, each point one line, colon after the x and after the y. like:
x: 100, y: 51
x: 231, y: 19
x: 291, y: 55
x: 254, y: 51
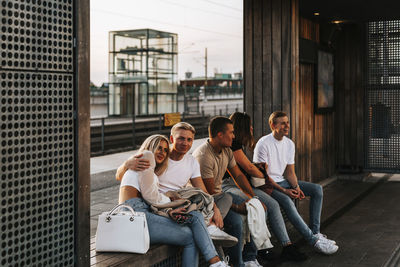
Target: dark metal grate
x: 37, y: 133
x: 171, y: 261
x: 176, y: 261
x: 383, y: 96
x: 36, y: 34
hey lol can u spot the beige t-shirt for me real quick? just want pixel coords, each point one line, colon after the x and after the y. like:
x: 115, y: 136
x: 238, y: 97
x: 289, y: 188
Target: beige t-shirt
x: 213, y: 164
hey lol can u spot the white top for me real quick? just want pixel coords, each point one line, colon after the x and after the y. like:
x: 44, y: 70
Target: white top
x: 276, y: 153
x: 130, y: 178
x: 178, y: 173
x: 146, y: 182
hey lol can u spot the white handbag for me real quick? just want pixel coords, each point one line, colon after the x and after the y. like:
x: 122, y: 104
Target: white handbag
x: 122, y: 231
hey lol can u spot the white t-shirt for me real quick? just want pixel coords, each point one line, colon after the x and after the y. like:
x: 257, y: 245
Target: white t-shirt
x: 178, y: 173
x: 145, y: 182
x: 276, y: 153
x: 130, y: 178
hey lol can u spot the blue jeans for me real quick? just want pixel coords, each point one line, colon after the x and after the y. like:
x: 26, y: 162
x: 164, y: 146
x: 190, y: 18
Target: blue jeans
x: 274, y: 216
x: 273, y: 212
x: 315, y: 192
x: 233, y: 225
x: 165, y: 231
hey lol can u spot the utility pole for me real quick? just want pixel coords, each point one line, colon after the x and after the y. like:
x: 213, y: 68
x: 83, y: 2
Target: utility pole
x: 205, y: 67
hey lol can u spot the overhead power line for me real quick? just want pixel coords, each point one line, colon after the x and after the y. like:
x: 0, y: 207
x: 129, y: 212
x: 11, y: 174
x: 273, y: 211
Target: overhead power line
x: 164, y: 23
x: 203, y: 10
x: 222, y: 5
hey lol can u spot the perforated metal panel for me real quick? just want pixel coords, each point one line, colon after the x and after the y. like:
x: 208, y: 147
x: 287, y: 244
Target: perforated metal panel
x: 37, y: 34
x: 383, y: 96
x: 37, y: 133
x: 176, y: 261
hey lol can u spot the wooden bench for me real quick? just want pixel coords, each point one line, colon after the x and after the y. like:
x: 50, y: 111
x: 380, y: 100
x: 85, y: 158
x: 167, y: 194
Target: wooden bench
x: 157, y: 256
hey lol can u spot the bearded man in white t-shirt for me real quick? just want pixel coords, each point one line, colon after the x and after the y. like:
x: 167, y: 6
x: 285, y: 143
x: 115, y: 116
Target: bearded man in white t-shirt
x: 277, y: 151
x: 183, y: 169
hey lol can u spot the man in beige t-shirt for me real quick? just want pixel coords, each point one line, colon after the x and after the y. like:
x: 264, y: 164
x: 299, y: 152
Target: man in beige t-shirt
x: 214, y: 164
x: 215, y: 157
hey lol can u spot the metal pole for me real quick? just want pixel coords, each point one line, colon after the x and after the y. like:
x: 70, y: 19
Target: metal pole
x: 102, y: 135
x: 184, y: 100
x: 133, y: 131
x: 160, y: 122
x: 203, y: 118
x: 205, y: 74
x: 133, y: 116
x: 198, y: 103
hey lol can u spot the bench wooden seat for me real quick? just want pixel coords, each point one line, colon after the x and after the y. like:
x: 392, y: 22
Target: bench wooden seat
x: 156, y: 255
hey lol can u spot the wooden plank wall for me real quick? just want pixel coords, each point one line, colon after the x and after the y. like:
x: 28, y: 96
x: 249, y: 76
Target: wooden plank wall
x: 309, y: 30
x: 271, y: 59
x: 315, y: 153
x: 275, y: 80
x: 349, y: 97
x: 332, y: 142
x: 315, y: 157
x: 304, y: 130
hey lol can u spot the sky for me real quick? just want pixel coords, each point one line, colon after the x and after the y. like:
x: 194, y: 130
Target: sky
x: 213, y: 24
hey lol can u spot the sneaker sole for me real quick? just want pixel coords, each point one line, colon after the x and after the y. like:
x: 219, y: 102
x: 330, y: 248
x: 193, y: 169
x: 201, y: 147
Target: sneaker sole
x: 226, y: 243
x: 330, y: 253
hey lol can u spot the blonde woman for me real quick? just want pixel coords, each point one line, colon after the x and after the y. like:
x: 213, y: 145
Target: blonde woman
x: 137, y: 186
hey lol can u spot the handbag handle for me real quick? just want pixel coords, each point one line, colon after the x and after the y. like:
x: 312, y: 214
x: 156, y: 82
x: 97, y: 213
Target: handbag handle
x: 120, y: 206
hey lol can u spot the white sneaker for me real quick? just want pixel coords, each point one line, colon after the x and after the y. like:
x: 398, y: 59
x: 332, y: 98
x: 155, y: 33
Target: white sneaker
x: 220, y: 237
x: 219, y: 264
x: 325, y: 247
x: 324, y: 238
x: 226, y: 260
x: 254, y: 263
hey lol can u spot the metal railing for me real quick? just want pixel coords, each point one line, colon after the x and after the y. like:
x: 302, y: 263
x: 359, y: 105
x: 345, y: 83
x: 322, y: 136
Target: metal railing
x: 210, y: 90
x: 110, y: 134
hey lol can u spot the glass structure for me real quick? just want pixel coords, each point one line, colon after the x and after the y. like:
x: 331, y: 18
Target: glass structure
x: 142, y: 72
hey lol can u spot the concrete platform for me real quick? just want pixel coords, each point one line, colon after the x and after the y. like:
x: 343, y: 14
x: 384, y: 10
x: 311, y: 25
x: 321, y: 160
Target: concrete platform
x: 367, y: 232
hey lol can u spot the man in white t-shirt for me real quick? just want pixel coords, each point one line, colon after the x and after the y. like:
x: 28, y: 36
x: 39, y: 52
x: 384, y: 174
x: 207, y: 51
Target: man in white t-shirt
x: 277, y: 151
x: 184, y: 169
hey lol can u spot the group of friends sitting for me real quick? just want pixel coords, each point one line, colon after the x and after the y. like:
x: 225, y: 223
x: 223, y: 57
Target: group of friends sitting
x: 163, y: 180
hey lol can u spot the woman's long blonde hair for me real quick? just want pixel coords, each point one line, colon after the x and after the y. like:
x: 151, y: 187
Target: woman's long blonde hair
x: 152, y: 143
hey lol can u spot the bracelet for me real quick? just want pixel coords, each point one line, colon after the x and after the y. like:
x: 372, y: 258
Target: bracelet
x: 167, y: 210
